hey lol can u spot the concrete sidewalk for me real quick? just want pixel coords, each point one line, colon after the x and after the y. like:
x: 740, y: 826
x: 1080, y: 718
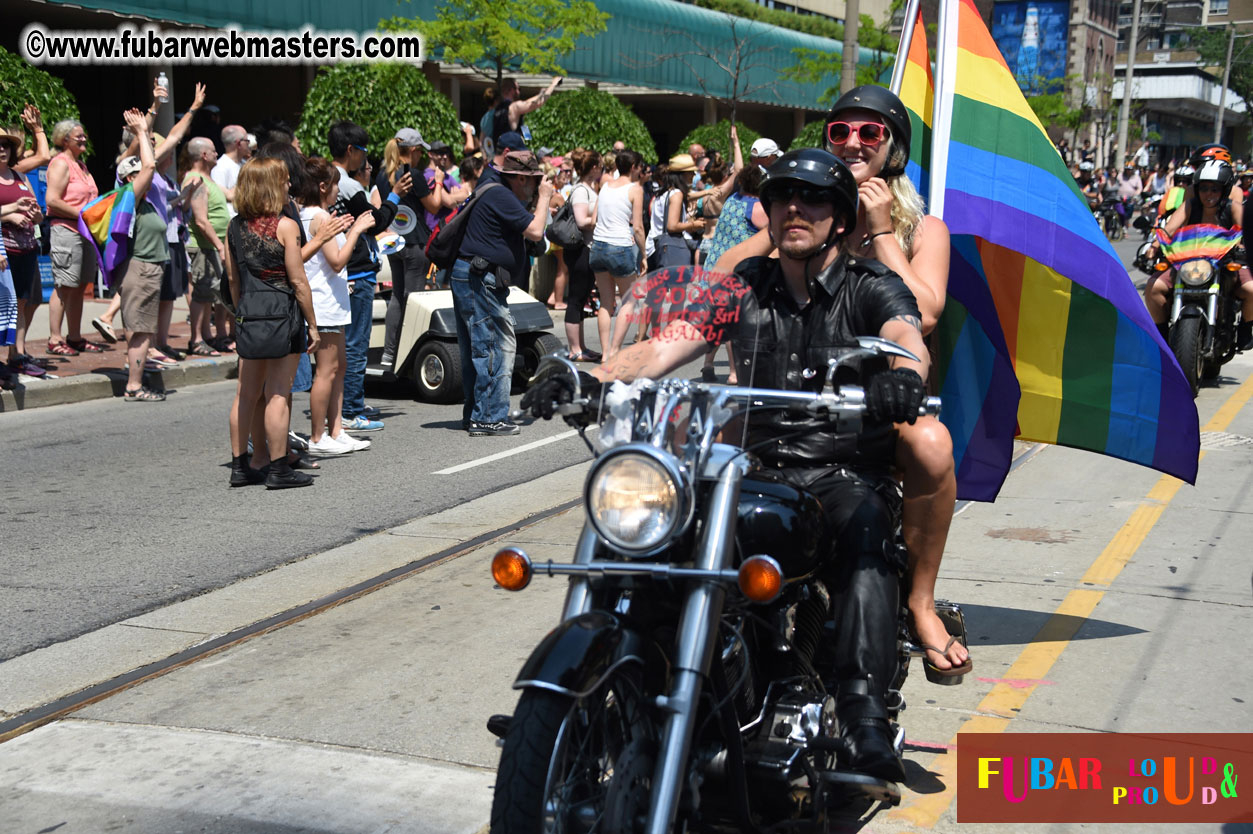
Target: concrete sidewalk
x: 93, y: 376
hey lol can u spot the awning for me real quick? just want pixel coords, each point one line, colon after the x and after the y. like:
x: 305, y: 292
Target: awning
x: 661, y: 44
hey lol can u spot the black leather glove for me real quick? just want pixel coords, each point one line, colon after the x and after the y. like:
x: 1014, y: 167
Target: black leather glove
x: 543, y: 398
x: 895, y: 396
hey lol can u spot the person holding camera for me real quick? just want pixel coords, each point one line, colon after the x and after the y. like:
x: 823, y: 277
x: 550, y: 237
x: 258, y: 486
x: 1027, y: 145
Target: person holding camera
x: 492, y: 257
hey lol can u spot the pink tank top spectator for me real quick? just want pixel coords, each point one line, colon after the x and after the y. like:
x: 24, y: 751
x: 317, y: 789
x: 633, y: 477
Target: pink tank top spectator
x: 79, y: 191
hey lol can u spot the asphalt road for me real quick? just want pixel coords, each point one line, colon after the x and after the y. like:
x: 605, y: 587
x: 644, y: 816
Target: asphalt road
x: 111, y: 509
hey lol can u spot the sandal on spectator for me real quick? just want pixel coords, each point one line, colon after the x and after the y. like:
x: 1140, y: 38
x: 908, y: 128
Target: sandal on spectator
x: 105, y: 330
x: 61, y: 349
x: 143, y: 395
x: 202, y: 349
x: 172, y: 352
x: 84, y: 346
x: 223, y: 344
x: 296, y: 460
x: 585, y: 356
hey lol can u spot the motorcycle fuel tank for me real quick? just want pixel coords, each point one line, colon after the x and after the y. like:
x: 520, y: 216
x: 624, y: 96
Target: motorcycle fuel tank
x: 780, y: 520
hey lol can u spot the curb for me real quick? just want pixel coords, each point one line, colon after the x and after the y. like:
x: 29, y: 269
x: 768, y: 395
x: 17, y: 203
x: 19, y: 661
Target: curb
x: 102, y: 384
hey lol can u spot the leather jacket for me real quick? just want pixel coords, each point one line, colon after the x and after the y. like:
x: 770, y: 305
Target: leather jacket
x: 775, y: 342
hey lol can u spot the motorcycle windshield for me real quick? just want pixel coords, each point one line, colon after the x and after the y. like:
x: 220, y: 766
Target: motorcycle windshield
x: 1199, y: 240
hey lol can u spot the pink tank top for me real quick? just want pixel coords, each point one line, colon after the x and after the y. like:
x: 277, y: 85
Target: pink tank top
x: 79, y: 191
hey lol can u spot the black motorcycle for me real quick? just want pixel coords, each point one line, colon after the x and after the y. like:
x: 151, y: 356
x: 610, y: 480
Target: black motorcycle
x: 1109, y: 218
x: 1205, y: 312
x: 682, y: 689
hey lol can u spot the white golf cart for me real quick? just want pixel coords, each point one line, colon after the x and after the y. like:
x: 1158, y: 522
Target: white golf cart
x: 427, y: 350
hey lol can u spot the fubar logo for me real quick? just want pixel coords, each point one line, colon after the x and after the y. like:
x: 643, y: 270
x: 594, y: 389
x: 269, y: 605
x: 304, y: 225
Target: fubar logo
x: 1103, y: 777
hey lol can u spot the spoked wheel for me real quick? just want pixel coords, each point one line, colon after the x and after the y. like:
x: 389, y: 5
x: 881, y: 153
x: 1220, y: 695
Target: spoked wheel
x: 576, y: 765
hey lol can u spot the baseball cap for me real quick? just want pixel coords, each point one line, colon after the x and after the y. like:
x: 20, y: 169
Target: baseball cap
x: 408, y: 137
x: 543, y: 152
x: 511, y: 140
x: 439, y: 147
x: 129, y: 165
x: 764, y: 147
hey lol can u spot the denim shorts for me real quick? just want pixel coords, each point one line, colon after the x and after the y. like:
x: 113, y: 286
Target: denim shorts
x: 618, y: 261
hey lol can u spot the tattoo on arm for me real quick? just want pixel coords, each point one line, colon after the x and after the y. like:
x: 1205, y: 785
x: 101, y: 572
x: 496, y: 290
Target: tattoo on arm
x: 913, y: 321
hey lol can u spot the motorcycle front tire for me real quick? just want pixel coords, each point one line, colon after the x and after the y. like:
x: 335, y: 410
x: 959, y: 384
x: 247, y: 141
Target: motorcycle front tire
x: 568, y: 761
x: 1185, y: 342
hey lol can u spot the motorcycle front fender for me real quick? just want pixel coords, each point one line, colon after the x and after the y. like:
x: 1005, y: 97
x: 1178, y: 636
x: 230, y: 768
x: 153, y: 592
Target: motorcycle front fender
x: 576, y: 656
x: 1192, y: 311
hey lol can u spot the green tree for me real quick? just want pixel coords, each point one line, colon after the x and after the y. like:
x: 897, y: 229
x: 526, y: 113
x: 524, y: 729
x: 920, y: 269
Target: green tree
x: 810, y: 136
x: 814, y: 66
x: 22, y: 84
x: 382, y: 98
x: 490, y: 36
x: 591, y: 119
x: 1051, y: 105
x: 718, y: 136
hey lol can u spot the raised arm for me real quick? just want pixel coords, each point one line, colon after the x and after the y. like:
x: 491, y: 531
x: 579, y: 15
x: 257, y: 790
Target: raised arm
x: 143, y: 180
x: 518, y: 109
x: 33, y: 122
x: 171, y: 142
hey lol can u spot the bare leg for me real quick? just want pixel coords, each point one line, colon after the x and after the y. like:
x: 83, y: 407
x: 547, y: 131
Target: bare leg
x: 1155, y: 292
x: 323, y: 382
x: 248, y: 394
x: 622, y: 318
x: 25, y: 315
x: 73, y: 302
x: 558, y: 298
x: 924, y: 452
x: 277, y: 405
x: 115, y: 304
x: 56, y: 315
x: 137, y: 345
x: 335, y: 409
x: 164, y: 313
x: 608, y: 303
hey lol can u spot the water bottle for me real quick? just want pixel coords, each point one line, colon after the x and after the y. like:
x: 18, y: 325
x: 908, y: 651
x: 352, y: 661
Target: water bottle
x: 162, y: 81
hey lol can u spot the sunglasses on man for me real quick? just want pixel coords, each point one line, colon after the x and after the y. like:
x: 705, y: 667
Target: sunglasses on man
x: 808, y: 194
x: 868, y: 133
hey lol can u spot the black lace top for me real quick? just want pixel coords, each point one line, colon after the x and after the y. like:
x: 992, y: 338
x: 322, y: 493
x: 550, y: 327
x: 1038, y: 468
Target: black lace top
x: 261, y: 251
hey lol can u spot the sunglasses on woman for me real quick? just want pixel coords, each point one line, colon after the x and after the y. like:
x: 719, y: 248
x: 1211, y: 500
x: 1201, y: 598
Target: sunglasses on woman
x: 868, y: 133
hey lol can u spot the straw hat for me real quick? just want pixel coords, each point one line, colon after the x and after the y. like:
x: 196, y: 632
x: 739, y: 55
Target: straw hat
x: 17, y: 138
x: 682, y: 163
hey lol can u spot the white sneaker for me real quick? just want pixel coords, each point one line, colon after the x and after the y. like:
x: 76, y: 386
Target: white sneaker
x: 328, y: 446
x: 355, y: 444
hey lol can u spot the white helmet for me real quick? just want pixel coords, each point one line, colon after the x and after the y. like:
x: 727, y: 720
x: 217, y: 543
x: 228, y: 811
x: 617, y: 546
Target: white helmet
x: 1216, y: 170
x: 1086, y: 166
x: 1184, y: 172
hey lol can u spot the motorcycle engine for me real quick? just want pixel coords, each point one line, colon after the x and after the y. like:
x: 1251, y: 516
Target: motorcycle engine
x: 792, y: 722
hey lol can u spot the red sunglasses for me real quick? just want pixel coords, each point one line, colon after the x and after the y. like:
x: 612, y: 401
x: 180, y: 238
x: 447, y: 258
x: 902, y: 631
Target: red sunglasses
x: 868, y: 133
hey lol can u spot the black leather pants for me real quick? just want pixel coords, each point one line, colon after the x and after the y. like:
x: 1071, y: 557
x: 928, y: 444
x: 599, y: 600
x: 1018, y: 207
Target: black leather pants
x: 862, y: 571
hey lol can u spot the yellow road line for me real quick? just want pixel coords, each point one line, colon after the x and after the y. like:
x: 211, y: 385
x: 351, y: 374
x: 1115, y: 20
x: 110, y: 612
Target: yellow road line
x: 1003, y: 702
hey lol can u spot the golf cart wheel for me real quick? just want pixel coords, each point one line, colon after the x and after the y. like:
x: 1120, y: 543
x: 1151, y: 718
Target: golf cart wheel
x: 532, y: 347
x: 437, y: 372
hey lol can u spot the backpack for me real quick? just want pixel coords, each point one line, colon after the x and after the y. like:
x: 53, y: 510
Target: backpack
x: 444, y: 244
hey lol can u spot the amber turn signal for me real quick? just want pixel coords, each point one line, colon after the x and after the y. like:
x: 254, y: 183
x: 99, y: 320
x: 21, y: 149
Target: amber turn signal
x: 1232, y: 266
x: 760, y: 578
x: 1161, y: 266
x: 511, y: 568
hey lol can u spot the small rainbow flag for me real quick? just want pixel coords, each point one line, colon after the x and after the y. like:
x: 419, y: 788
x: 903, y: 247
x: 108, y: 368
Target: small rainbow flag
x: 1037, y: 285
x: 1199, y: 240
x: 107, y: 222
x: 1171, y: 200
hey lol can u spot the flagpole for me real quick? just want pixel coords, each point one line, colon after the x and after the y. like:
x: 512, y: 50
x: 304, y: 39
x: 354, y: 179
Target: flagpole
x: 942, y: 119
x: 902, y: 52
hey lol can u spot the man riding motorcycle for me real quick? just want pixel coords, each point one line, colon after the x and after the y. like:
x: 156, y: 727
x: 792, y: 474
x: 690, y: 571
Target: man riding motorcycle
x: 797, y: 312
x: 1088, y: 185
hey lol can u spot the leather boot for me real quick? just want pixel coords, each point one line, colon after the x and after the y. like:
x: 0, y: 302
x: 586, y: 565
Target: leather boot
x: 865, y: 728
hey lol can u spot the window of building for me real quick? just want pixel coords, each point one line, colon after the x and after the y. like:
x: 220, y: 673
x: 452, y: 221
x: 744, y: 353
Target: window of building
x: 1218, y: 7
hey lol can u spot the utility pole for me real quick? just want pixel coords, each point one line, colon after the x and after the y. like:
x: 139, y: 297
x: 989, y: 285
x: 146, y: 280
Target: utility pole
x: 1124, y: 107
x: 848, y: 73
x: 1222, y: 96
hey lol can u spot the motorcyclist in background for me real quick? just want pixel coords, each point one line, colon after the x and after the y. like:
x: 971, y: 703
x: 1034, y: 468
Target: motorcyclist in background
x: 1215, y: 199
x: 792, y: 315
x: 1087, y: 184
x: 1173, y: 198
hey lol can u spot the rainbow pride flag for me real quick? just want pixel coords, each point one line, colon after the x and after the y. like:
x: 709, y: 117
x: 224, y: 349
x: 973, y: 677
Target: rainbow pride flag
x: 1200, y: 240
x: 107, y: 222
x: 1031, y: 266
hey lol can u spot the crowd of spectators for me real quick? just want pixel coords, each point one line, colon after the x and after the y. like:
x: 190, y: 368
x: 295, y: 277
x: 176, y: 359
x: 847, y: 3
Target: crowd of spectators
x: 244, y: 213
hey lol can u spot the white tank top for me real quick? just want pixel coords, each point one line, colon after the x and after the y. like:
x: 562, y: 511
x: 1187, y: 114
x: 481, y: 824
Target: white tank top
x: 613, y: 217
x: 329, y: 288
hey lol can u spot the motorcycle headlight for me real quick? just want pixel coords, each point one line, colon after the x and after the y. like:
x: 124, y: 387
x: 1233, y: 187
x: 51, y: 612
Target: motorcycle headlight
x: 1196, y: 273
x: 636, y: 498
